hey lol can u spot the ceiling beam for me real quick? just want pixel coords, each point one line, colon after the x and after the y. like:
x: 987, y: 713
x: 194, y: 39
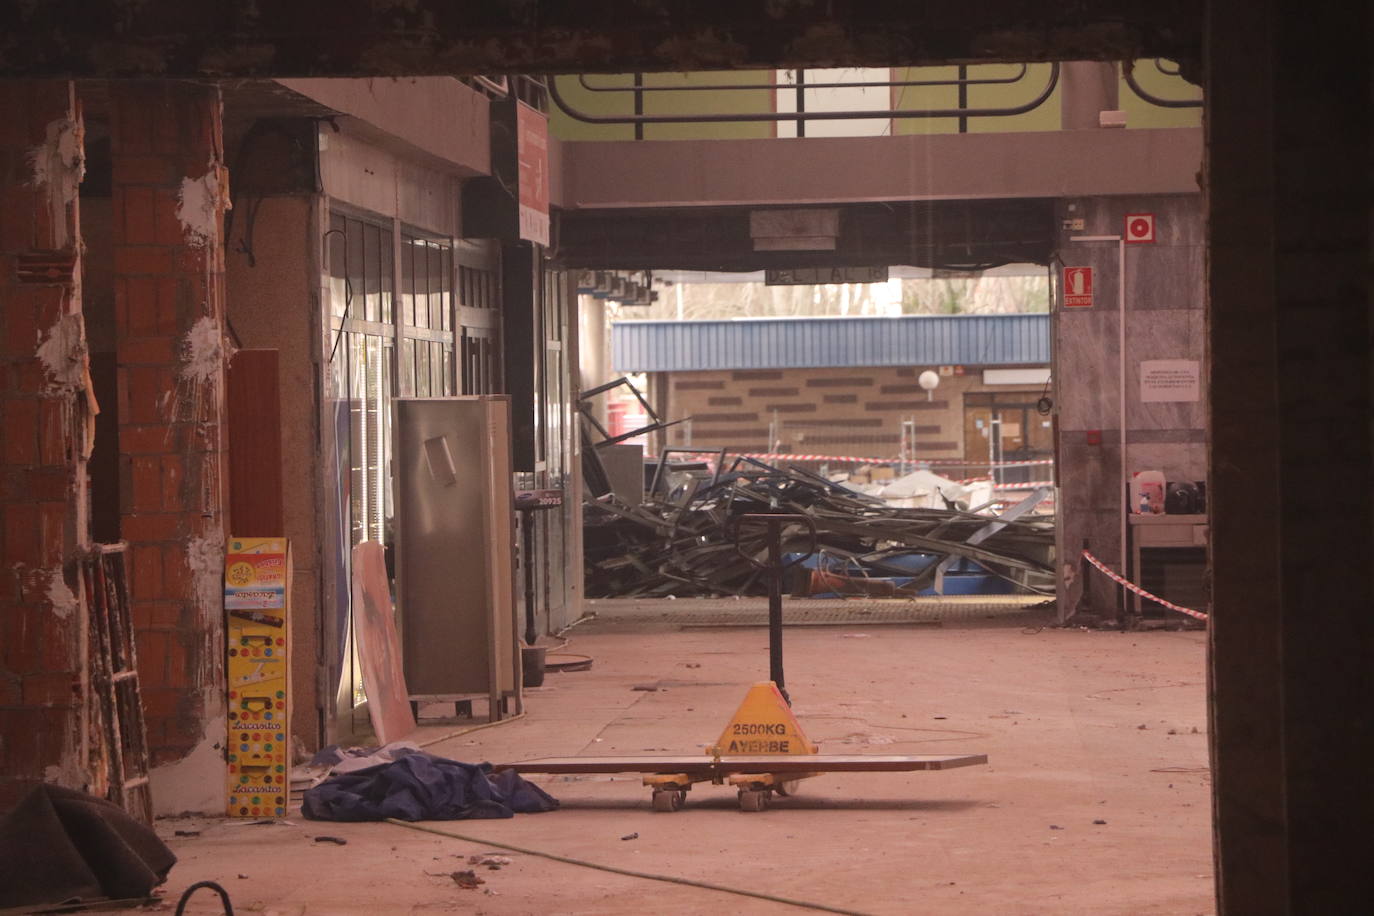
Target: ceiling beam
x: 246, y: 38
x: 942, y: 234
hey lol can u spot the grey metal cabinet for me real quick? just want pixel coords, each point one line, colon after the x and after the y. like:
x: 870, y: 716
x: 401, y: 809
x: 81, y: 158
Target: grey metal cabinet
x: 455, y: 550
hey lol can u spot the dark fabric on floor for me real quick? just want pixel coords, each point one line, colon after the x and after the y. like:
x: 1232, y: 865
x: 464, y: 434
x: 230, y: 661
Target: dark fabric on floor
x: 60, y: 844
x: 422, y: 787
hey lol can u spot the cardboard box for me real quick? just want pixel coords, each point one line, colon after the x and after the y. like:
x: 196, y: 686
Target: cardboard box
x: 257, y: 589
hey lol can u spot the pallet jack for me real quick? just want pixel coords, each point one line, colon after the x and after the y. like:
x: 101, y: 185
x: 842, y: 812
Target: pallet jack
x: 763, y: 751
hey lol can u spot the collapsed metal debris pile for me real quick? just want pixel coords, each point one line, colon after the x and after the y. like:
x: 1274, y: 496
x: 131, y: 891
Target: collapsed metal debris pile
x: 681, y: 540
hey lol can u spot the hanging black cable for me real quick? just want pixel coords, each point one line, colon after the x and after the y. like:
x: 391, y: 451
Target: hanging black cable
x: 348, y: 292
x: 223, y: 897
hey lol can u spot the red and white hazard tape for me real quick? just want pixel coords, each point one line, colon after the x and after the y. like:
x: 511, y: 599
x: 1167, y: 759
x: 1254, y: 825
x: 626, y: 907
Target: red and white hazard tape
x: 936, y: 462
x: 859, y: 459
x: 839, y: 459
x: 1140, y: 591
x: 1030, y: 485
x: 792, y: 456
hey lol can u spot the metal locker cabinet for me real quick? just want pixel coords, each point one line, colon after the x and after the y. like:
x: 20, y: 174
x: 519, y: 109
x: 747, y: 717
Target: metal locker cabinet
x: 455, y: 550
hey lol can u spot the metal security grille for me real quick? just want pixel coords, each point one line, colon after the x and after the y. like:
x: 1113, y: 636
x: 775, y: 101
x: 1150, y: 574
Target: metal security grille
x: 479, y: 319
x: 362, y: 331
x: 374, y: 422
x: 1178, y: 574
x: 427, y: 345
x: 557, y: 313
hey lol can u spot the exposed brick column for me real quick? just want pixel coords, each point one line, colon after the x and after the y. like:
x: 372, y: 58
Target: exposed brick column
x: 169, y: 193
x: 43, y: 439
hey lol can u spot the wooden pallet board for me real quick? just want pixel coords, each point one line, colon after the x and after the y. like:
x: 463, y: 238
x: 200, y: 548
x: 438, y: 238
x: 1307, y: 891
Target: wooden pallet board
x: 782, y: 764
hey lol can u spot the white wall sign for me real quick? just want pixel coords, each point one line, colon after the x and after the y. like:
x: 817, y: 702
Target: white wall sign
x: 1169, y: 380
x: 1016, y: 376
x: 806, y: 276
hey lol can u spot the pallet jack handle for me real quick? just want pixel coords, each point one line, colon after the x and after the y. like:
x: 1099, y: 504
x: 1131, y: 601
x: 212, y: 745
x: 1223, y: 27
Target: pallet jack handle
x: 775, y: 567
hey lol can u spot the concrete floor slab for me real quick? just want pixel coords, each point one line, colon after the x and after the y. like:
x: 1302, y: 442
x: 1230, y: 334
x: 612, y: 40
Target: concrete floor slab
x: 1081, y: 727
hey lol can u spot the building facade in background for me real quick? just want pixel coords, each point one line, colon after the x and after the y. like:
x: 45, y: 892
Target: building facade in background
x: 848, y: 390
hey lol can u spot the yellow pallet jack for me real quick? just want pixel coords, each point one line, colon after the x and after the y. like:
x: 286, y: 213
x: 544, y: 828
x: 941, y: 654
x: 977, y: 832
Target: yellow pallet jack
x: 763, y: 751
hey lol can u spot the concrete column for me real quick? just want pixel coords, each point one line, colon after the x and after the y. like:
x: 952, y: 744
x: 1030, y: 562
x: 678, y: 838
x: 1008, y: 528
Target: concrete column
x: 44, y: 442
x: 1164, y: 293
x: 593, y: 361
x: 521, y: 314
x: 169, y: 195
x: 1293, y: 521
x: 1086, y: 87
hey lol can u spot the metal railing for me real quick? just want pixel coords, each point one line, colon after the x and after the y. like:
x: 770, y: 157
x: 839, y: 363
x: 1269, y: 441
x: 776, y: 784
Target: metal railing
x: 962, y: 111
x: 1129, y: 76
x: 529, y: 89
x: 802, y: 84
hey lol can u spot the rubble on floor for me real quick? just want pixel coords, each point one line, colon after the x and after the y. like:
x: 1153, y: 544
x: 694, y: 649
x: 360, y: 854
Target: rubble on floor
x: 680, y: 541
x: 918, y: 489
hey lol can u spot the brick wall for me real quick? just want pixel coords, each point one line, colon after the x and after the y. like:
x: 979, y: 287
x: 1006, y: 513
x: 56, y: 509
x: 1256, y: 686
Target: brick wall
x: 42, y: 439
x: 167, y: 214
x: 854, y: 411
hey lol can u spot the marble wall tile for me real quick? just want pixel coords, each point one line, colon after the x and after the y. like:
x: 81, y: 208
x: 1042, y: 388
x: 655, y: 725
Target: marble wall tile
x: 1088, y: 475
x: 1100, y: 530
x: 1179, y: 218
x: 1175, y: 460
x: 1165, y: 277
x: 1166, y: 435
x: 1164, y: 320
x: 1086, y: 369
x: 1165, y: 334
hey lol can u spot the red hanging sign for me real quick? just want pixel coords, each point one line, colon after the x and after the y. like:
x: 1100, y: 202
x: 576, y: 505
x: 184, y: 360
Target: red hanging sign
x: 533, y: 152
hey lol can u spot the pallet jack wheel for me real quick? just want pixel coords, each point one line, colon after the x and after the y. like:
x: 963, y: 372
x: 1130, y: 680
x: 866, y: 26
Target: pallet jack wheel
x: 787, y: 787
x: 753, y: 799
x: 669, y: 799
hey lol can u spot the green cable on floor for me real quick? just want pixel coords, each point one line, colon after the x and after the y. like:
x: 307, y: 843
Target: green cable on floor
x: 481, y: 841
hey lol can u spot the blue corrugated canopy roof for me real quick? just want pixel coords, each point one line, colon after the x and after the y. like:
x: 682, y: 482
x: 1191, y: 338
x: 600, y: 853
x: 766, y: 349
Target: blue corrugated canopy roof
x: 815, y: 343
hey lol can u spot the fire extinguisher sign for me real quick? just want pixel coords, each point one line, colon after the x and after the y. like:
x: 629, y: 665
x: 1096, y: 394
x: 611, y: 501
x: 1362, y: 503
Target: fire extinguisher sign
x: 1078, y: 287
